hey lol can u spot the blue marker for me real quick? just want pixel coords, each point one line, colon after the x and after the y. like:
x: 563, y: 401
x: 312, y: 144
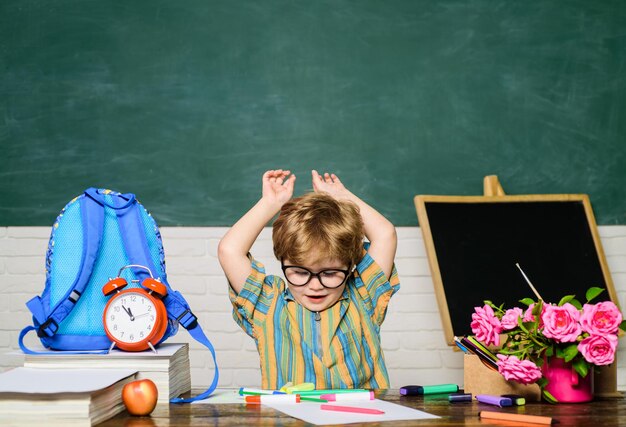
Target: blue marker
x: 516, y: 399
x: 460, y: 397
x: 457, y: 341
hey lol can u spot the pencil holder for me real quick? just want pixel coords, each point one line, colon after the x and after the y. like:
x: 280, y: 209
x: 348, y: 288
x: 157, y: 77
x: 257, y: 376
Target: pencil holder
x: 478, y: 379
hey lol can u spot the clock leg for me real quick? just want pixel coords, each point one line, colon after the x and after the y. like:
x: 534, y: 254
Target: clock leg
x: 152, y: 347
x: 111, y: 348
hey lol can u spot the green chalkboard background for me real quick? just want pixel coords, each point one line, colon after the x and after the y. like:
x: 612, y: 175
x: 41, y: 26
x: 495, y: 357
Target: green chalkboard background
x: 186, y: 103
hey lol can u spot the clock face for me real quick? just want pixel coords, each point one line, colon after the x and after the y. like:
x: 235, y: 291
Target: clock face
x: 131, y: 317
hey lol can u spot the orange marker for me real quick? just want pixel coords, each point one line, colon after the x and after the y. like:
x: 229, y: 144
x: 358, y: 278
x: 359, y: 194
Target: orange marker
x: 273, y: 398
x: 522, y: 418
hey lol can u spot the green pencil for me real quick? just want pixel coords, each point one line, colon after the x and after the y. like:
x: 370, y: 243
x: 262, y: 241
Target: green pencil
x: 313, y: 399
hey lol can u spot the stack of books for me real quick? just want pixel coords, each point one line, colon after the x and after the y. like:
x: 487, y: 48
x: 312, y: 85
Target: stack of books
x: 169, y: 367
x: 60, y: 397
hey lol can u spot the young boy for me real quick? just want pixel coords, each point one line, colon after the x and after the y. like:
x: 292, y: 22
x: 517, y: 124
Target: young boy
x: 323, y: 325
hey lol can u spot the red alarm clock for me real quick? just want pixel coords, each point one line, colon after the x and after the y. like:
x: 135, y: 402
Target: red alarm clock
x: 135, y: 319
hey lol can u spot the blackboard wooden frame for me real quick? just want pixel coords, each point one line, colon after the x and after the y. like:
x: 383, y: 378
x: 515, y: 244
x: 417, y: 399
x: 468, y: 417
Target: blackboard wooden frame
x: 422, y: 204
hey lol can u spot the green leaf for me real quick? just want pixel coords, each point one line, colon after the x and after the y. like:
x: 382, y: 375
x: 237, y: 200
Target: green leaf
x: 527, y: 301
x: 570, y: 352
x: 542, y: 382
x: 537, y: 309
x: 550, y: 351
x: 593, y: 292
x: 548, y: 397
x: 581, y: 366
x: 622, y: 325
x: 566, y: 299
x: 576, y: 304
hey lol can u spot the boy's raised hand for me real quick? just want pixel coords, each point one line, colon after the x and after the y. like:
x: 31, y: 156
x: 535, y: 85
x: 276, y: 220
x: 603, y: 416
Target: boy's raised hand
x: 278, y: 186
x: 236, y: 244
x: 378, y: 230
x: 329, y: 183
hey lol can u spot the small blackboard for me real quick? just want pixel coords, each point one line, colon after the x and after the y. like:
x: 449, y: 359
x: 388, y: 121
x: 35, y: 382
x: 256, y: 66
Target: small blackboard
x: 473, y: 244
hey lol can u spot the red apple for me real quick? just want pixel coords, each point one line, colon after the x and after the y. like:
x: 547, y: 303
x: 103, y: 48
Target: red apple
x: 140, y: 396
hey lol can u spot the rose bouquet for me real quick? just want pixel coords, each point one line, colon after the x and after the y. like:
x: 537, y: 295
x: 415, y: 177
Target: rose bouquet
x: 583, y: 334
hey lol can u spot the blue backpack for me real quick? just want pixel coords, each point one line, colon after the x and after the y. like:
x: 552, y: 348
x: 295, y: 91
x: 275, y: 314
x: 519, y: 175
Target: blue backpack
x: 95, y: 235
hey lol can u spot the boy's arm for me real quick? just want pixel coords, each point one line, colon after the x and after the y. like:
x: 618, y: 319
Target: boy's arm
x: 379, y: 231
x: 234, y: 247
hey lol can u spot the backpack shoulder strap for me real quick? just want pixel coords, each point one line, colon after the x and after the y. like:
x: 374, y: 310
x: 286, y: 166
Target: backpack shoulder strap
x: 133, y: 235
x: 92, y: 218
x: 178, y: 309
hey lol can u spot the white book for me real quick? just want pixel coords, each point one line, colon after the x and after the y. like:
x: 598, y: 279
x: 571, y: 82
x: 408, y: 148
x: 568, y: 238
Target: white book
x: 169, y: 367
x: 85, y: 397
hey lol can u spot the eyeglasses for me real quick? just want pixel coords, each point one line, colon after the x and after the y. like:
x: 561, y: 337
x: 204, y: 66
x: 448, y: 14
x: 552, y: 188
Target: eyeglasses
x: 330, y: 278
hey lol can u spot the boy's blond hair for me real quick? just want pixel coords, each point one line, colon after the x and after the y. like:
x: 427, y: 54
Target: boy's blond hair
x: 318, y: 221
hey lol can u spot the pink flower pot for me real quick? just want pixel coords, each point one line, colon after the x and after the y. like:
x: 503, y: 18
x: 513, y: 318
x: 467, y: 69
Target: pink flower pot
x: 564, y: 383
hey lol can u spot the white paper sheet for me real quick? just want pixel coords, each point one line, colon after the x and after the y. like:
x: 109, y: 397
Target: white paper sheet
x: 311, y: 412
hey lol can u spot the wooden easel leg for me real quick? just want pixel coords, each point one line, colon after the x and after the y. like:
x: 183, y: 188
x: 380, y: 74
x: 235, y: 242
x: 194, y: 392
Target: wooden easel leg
x: 491, y: 186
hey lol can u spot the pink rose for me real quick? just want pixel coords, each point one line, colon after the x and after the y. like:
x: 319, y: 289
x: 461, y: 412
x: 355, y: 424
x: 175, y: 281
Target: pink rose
x: 509, y: 320
x: 522, y: 371
x: 561, y: 323
x: 528, y: 315
x: 599, y: 350
x: 600, y: 319
x: 486, y: 326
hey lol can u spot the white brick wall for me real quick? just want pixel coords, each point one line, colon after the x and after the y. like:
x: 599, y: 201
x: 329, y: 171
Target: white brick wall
x: 412, y: 336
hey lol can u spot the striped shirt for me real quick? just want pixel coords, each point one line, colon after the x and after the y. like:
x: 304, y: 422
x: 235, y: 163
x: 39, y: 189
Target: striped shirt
x: 340, y: 350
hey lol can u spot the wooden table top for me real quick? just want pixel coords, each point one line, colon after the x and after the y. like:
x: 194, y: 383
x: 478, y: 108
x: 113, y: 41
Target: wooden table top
x: 601, y: 413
